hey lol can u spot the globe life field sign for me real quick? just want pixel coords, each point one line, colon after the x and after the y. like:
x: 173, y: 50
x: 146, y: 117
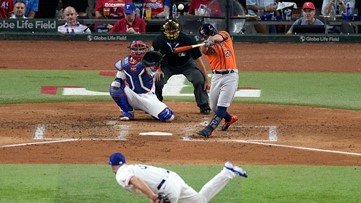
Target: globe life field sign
x: 28, y: 25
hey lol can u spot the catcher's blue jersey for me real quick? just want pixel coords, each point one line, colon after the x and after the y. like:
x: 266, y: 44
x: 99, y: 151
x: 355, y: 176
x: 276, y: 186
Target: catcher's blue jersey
x: 139, y: 78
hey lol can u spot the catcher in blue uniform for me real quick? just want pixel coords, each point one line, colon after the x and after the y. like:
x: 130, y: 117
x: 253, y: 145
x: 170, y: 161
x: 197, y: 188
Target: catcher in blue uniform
x: 133, y: 87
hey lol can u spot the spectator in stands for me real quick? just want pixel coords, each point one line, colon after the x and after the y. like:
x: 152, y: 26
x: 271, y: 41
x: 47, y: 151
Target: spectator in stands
x: 308, y: 13
x: 32, y: 7
x: 108, y: 9
x: 205, y: 8
x: 19, y: 11
x: 262, y: 8
x: 79, y: 5
x: 336, y: 7
x: 131, y: 23
x: 332, y: 8
x: 6, y: 8
x: 72, y: 26
x: 160, y: 8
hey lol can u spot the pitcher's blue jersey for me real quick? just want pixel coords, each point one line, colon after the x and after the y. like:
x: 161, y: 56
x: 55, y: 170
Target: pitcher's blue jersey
x: 139, y: 78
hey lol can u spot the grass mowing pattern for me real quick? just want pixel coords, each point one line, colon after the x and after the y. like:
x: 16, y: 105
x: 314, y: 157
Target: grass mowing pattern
x: 333, y: 90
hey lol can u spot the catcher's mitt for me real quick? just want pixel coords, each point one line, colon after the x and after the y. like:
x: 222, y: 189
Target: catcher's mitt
x: 163, y: 198
x: 152, y: 58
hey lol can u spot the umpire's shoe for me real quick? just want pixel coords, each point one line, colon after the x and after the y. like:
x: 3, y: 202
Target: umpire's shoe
x: 206, y: 132
x: 205, y: 109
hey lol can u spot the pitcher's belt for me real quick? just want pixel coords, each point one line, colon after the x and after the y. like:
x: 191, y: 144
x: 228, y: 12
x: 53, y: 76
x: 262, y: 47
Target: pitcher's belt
x: 223, y: 72
x: 161, y: 183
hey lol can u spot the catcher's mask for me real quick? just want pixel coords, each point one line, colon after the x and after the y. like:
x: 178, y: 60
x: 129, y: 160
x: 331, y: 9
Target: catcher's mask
x: 171, y: 29
x: 207, y: 30
x: 137, y: 49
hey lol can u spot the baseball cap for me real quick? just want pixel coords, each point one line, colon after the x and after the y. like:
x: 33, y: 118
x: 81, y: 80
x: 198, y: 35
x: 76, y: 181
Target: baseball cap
x: 116, y: 159
x: 129, y: 8
x: 308, y: 5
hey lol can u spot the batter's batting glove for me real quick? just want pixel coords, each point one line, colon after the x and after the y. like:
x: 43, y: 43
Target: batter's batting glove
x: 208, y: 42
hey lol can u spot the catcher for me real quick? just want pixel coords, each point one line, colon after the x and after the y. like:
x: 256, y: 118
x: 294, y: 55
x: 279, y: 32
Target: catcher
x: 163, y: 186
x: 133, y: 87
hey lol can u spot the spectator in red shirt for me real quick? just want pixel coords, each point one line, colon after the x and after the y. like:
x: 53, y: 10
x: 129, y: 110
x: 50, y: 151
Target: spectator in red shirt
x: 131, y: 23
x: 110, y: 8
x: 6, y: 8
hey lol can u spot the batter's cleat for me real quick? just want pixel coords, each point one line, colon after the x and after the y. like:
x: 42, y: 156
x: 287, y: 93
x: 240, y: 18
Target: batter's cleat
x: 227, y: 124
x: 206, y: 133
x: 126, y: 116
x: 235, y: 169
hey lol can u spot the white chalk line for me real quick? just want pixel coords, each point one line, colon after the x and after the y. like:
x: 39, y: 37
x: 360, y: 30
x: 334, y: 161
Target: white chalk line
x: 272, y: 137
x: 37, y: 143
x: 259, y: 142
x: 59, y: 140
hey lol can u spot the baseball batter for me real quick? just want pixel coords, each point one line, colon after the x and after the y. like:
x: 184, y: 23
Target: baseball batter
x: 181, y: 63
x: 219, y: 50
x: 133, y: 87
x: 150, y: 181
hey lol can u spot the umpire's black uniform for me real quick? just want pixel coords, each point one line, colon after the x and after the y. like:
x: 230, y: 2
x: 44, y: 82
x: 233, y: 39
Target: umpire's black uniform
x: 181, y: 63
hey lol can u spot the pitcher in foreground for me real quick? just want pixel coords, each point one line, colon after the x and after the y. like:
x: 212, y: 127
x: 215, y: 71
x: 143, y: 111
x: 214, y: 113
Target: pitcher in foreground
x: 162, y: 185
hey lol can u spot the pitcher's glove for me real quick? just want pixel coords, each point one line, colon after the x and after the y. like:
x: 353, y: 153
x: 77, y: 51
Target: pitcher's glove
x: 152, y: 58
x: 163, y: 198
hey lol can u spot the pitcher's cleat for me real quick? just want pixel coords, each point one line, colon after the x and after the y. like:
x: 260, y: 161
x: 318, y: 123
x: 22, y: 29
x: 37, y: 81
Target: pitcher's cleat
x: 227, y: 124
x: 235, y: 169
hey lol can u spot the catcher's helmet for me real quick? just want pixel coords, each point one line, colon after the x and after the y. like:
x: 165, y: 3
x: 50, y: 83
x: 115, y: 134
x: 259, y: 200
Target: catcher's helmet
x: 137, y: 49
x: 171, y: 29
x: 207, y: 29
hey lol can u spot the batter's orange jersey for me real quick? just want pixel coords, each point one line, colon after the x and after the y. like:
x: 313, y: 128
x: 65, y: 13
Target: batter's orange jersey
x: 221, y: 55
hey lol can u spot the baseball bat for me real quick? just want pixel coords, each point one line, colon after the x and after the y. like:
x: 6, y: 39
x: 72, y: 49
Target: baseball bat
x: 185, y: 48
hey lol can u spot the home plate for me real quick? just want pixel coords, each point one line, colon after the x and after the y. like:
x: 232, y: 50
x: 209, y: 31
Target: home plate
x: 156, y: 134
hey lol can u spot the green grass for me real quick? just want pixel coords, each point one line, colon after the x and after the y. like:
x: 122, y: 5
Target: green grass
x: 96, y: 183
x: 24, y: 86
x: 332, y: 90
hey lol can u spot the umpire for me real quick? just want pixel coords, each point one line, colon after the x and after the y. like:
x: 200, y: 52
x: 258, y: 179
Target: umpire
x: 181, y: 63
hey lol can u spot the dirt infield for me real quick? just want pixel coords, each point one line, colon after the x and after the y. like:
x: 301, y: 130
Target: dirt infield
x: 265, y: 134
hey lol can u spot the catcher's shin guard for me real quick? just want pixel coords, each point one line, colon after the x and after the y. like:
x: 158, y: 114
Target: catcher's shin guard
x: 118, y: 95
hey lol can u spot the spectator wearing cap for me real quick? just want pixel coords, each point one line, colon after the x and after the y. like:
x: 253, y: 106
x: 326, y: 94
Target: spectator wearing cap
x: 19, y: 11
x: 131, y: 23
x: 308, y: 17
x: 72, y: 26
